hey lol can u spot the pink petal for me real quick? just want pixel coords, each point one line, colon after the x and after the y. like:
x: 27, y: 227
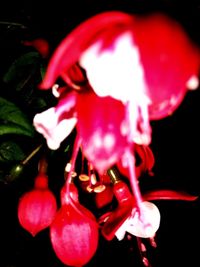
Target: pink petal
x: 103, y: 129
x: 168, y: 63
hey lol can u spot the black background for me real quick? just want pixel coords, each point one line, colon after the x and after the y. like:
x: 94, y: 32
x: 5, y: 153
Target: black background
x: 175, y: 142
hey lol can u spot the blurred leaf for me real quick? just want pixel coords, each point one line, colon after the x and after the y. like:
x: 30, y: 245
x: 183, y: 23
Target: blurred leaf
x: 23, y: 69
x: 42, y: 70
x: 39, y: 103
x: 13, y: 120
x: 10, y: 151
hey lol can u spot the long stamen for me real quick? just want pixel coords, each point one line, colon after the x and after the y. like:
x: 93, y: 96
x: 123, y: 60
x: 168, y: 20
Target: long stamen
x: 143, y: 253
x: 147, y: 227
x: 133, y: 180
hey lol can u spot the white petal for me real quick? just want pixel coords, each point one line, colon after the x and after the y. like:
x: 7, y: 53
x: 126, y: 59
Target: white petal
x: 53, y: 131
x: 150, y: 224
x: 121, y: 231
x: 116, y: 71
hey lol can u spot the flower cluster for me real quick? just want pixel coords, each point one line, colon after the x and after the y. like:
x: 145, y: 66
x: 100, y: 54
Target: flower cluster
x: 120, y: 71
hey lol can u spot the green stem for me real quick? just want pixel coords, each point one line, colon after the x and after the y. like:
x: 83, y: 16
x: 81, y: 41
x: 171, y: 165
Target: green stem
x: 15, y: 24
x: 26, y: 160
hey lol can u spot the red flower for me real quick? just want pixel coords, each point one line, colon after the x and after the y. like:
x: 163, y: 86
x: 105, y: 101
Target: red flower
x: 130, y: 58
x: 121, y: 71
x: 37, y: 208
x: 127, y: 218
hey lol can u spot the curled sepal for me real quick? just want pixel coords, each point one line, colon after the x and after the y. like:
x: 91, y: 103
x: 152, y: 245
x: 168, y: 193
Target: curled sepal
x: 73, y: 45
x: 168, y: 194
x: 145, y: 163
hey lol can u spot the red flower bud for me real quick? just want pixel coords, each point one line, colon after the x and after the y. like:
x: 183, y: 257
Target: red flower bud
x: 37, y: 208
x: 74, y: 233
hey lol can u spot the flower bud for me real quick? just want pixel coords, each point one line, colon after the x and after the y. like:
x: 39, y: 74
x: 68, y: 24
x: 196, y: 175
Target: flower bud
x: 37, y: 208
x: 74, y: 233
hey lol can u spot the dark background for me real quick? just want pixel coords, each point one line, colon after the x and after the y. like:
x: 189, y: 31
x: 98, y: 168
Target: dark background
x: 175, y: 143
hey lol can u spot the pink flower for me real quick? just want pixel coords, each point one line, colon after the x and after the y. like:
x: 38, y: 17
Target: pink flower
x: 121, y: 71
x: 143, y: 222
x: 130, y: 59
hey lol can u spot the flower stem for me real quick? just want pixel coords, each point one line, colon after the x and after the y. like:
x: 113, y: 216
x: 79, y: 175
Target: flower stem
x: 143, y: 252
x: 10, y: 24
x: 26, y: 160
x: 42, y: 168
x: 76, y: 147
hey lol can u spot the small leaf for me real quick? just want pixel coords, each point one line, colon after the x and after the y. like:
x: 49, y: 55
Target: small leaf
x: 10, y: 151
x: 13, y: 120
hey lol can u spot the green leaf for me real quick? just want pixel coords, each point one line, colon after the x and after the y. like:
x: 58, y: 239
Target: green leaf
x: 22, y: 69
x: 10, y: 151
x: 42, y: 70
x: 13, y: 120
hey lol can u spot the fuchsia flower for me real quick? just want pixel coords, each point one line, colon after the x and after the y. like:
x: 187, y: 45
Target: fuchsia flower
x: 126, y: 218
x: 104, y: 137
x: 136, y: 72
x: 121, y: 71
